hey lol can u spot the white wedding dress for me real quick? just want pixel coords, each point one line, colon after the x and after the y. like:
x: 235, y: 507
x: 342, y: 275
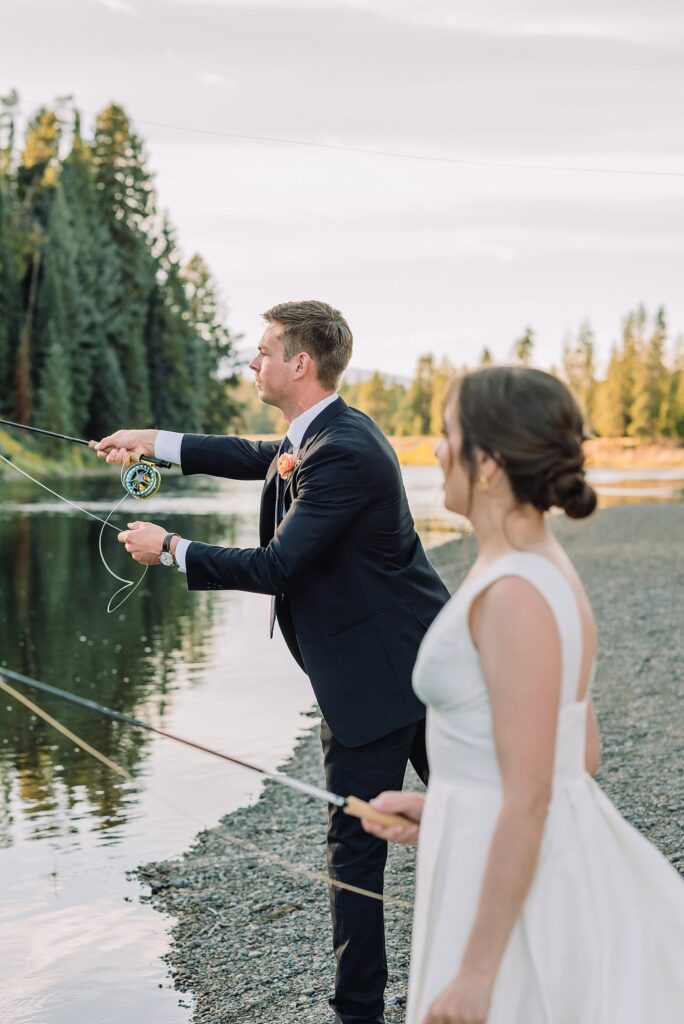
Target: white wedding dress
x: 600, y: 938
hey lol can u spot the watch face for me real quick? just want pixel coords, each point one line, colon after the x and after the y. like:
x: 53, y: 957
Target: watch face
x: 166, y: 558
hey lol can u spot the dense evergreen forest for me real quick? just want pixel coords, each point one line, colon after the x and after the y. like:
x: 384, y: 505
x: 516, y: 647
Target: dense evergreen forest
x: 101, y: 321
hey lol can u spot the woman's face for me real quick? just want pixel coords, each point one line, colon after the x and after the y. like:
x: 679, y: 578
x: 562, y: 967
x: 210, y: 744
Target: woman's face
x: 457, y: 486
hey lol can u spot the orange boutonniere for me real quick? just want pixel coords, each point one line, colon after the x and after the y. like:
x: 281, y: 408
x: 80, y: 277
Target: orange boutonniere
x: 287, y: 463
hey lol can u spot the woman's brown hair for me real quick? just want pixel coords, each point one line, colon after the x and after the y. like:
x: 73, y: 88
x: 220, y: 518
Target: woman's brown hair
x: 529, y: 422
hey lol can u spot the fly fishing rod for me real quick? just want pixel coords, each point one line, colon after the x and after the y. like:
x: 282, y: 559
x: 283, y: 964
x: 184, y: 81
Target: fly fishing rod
x: 141, y: 479
x: 351, y: 805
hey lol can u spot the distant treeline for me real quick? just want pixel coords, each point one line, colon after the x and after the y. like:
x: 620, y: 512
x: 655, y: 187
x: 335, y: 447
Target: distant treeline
x: 101, y: 322
x: 641, y: 395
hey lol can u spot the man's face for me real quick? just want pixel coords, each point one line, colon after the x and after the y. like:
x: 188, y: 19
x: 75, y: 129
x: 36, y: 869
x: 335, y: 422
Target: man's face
x: 274, y: 375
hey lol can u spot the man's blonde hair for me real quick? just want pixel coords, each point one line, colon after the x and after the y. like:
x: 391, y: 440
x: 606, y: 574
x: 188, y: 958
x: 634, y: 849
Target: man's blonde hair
x: 318, y: 329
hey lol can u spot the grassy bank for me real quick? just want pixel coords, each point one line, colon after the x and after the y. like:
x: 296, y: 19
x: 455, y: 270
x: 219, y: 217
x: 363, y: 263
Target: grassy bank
x: 52, y: 458
x: 608, y: 453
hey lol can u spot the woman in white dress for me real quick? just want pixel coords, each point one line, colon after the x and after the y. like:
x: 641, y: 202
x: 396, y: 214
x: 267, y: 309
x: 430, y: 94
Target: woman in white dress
x: 536, y: 902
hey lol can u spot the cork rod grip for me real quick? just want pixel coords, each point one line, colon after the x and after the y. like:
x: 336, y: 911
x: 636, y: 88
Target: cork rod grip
x: 360, y: 809
x: 132, y: 456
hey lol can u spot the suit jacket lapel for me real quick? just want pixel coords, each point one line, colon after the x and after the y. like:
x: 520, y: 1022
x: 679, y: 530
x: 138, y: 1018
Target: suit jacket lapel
x: 313, y: 430
x: 267, y: 507
x: 267, y: 520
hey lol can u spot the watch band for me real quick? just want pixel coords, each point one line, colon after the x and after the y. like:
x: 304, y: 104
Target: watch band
x: 166, y: 546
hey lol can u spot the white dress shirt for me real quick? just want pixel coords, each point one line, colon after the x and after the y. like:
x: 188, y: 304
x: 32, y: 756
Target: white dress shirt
x: 168, y: 443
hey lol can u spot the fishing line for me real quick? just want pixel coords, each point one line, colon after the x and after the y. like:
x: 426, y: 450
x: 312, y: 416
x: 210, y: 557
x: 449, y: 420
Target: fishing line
x: 129, y: 585
x: 61, y: 497
x: 220, y: 830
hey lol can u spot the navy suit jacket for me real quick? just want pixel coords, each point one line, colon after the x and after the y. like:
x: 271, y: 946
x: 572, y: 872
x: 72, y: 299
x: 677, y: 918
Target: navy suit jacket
x: 359, y: 591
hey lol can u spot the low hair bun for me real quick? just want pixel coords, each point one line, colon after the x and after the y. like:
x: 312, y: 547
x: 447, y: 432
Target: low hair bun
x: 531, y: 424
x: 571, y: 492
x: 581, y: 503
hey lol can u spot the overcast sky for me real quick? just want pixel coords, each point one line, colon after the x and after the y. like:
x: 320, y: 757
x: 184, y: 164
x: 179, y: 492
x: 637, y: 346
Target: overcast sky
x: 419, y: 255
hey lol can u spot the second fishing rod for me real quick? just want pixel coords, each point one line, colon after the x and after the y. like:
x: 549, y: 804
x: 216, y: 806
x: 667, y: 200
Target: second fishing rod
x: 351, y: 805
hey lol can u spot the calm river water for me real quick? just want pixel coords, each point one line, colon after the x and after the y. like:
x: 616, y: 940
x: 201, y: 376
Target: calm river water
x: 76, y: 945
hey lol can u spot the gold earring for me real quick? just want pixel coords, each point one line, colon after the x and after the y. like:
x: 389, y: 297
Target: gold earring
x: 483, y: 484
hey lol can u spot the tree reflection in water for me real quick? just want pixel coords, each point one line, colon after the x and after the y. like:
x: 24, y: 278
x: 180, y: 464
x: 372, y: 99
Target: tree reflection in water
x: 54, y: 627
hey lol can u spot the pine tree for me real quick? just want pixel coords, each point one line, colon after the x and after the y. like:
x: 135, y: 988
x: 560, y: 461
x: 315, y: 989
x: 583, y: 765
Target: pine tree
x: 442, y: 378
x: 96, y: 279
x: 671, y: 416
x: 676, y: 404
x: 375, y: 398
x: 8, y: 109
x: 40, y: 156
x: 609, y: 414
x: 11, y: 272
x: 122, y: 177
x: 486, y: 357
x: 54, y: 397
x: 415, y: 412
x: 23, y: 387
x: 60, y: 313
x: 649, y: 381
x: 36, y: 177
x: 10, y: 259
x: 128, y: 207
x: 578, y: 368
x: 633, y: 341
x: 216, y: 359
x: 523, y: 347
x: 172, y: 345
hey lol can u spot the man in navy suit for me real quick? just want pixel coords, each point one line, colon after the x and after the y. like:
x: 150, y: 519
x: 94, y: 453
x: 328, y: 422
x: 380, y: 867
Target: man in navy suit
x: 351, y: 588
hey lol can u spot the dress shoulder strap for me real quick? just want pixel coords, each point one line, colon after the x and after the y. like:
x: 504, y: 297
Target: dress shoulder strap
x: 551, y: 583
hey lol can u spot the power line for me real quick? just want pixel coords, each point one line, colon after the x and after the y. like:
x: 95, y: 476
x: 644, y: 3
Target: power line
x: 398, y: 154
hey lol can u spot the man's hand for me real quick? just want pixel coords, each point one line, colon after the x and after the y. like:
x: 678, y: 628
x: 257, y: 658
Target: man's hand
x: 143, y: 542
x: 118, y: 447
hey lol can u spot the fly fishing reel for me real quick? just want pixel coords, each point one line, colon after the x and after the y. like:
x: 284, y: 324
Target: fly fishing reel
x: 140, y: 475
x: 141, y: 479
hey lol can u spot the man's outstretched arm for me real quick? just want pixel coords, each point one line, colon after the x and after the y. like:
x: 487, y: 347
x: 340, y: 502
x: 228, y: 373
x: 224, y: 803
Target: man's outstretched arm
x: 332, y: 493
x: 234, y: 458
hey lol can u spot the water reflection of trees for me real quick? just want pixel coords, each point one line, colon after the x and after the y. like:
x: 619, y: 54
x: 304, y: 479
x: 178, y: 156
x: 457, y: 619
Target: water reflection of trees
x: 54, y: 627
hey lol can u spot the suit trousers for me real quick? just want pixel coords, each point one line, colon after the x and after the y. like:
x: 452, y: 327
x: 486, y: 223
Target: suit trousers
x: 359, y: 859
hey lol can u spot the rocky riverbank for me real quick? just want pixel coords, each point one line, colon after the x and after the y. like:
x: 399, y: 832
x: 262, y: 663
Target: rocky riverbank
x: 250, y: 939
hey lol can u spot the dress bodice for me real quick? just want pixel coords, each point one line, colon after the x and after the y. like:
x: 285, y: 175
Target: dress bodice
x: 448, y: 678
x: 600, y: 935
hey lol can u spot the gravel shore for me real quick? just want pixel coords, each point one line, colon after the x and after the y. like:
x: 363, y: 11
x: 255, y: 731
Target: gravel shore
x: 251, y: 939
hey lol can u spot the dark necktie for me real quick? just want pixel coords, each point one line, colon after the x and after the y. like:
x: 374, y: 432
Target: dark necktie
x: 284, y: 449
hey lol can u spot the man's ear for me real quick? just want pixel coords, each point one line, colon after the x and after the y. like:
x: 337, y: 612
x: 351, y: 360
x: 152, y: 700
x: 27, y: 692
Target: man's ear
x: 304, y: 365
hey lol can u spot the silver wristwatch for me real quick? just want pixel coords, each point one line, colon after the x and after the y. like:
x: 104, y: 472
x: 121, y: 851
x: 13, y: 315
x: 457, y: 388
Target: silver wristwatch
x: 166, y: 558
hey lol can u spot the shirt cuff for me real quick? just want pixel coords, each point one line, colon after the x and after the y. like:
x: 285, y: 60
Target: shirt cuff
x: 167, y: 446
x: 181, y: 554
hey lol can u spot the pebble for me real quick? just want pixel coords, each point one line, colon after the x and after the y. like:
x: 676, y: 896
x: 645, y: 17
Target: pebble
x: 271, y: 949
